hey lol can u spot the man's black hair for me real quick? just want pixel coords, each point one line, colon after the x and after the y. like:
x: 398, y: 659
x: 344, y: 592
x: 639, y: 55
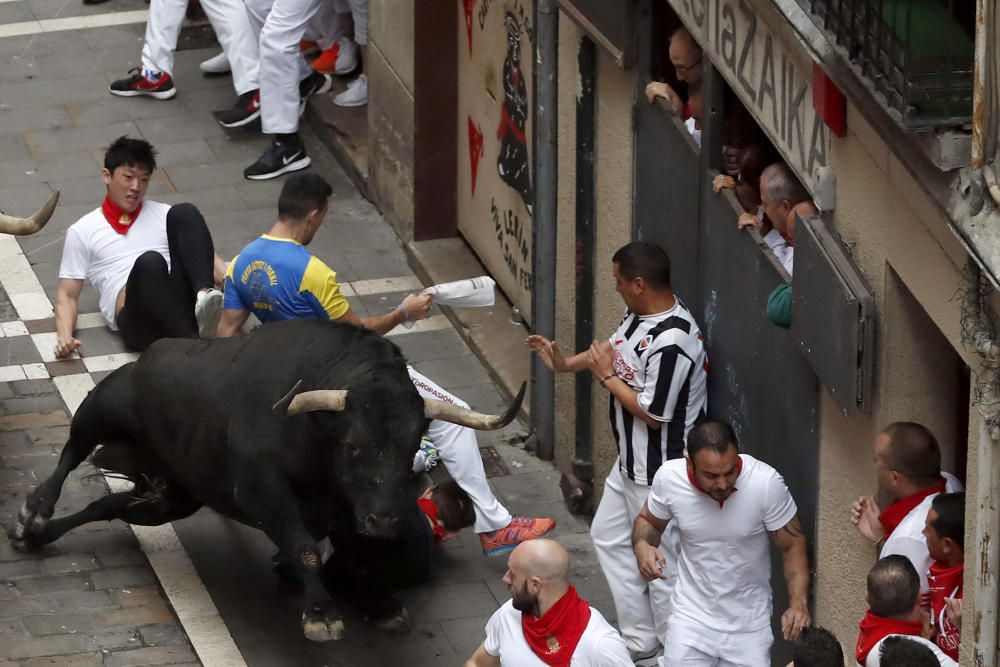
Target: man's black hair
x: 712, y: 434
x: 893, y: 587
x: 128, y: 152
x: 913, y: 452
x: 303, y: 193
x: 641, y: 259
x: 454, y: 506
x: 817, y: 647
x: 899, y: 651
x: 950, y: 508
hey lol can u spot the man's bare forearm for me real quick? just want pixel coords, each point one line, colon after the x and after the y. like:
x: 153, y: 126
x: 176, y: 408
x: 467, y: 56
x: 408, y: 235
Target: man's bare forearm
x: 383, y: 324
x: 797, y: 577
x: 66, y: 312
x: 644, y: 531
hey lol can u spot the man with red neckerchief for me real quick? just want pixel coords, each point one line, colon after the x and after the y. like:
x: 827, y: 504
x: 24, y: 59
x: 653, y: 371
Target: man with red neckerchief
x: 546, y: 622
x: 893, y: 599
x: 725, y: 505
x: 908, y: 468
x: 945, y: 533
x: 153, y: 264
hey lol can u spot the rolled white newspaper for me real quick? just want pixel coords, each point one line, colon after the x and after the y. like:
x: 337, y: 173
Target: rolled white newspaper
x: 468, y: 293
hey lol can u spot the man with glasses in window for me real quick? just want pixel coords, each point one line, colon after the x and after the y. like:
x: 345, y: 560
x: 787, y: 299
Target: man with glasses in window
x: 686, y: 56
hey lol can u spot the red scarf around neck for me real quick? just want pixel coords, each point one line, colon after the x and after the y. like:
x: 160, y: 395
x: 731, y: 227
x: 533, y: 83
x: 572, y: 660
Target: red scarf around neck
x: 892, y: 515
x: 695, y: 484
x: 554, y: 636
x: 875, y: 628
x: 119, y: 220
x: 431, y: 510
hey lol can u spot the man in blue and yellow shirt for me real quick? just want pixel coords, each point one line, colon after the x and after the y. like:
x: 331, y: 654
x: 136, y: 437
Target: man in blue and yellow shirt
x: 276, y: 278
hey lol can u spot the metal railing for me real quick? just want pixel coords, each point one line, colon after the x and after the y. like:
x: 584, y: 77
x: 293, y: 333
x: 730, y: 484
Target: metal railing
x: 916, y: 55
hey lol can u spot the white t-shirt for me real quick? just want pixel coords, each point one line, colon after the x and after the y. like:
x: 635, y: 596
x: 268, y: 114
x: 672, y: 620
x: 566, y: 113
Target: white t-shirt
x: 908, y: 538
x: 784, y: 252
x: 600, y: 645
x: 724, y: 561
x: 692, y: 130
x: 94, y: 251
x: 874, y: 656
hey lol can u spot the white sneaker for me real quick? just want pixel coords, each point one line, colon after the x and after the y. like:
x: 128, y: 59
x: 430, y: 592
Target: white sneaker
x: 207, y: 309
x: 356, y: 94
x: 217, y: 64
x: 347, y: 56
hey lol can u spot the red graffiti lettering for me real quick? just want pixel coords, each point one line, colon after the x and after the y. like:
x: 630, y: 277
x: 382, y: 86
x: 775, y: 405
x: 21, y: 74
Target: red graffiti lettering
x: 469, y: 5
x: 475, y: 151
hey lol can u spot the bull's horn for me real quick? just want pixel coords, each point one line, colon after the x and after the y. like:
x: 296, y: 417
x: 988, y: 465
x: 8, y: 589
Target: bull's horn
x: 24, y: 226
x: 449, y: 412
x: 292, y: 403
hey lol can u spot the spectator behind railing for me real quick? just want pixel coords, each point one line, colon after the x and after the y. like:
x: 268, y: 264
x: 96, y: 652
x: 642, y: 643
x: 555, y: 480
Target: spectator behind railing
x: 686, y: 56
x: 945, y: 533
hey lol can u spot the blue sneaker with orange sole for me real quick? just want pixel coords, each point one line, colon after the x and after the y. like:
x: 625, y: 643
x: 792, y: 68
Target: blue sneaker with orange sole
x: 520, y: 529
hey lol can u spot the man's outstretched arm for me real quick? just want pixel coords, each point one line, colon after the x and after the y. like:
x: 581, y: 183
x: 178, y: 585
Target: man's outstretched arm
x: 231, y: 322
x: 67, y: 298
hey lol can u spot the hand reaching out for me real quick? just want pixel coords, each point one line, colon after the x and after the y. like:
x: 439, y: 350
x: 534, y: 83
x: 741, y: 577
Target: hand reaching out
x: 548, y: 351
x: 864, y: 515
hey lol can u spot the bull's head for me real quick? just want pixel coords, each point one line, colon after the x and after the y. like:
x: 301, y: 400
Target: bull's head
x: 377, y: 444
x: 24, y: 226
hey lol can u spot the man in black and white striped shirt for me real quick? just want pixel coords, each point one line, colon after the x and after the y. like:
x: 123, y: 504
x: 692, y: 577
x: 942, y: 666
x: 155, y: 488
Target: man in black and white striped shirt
x: 655, y: 368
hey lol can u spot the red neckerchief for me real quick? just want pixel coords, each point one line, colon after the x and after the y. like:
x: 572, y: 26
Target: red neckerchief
x: 875, y: 628
x: 694, y: 481
x: 892, y: 515
x: 945, y: 582
x: 554, y: 636
x: 119, y: 220
x: 686, y: 111
x: 431, y: 510
x: 508, y: 126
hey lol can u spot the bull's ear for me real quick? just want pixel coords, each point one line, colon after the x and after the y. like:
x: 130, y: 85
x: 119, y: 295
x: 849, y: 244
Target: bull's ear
x: 281, y: 407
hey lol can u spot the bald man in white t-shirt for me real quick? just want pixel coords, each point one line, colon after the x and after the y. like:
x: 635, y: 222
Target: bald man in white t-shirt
x: 546, y: 622
x: 725, y: 505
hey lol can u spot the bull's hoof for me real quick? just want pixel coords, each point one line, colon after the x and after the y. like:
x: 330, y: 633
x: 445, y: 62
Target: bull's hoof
x: 322, y: 630
x: 24, y: 535
x: 397, y: 623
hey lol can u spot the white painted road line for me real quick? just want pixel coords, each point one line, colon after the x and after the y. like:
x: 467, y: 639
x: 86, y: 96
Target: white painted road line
x: 73, y: 23
x: 196, y: 611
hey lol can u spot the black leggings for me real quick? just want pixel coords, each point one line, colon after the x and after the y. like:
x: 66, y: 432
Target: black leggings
x: 159, y: 303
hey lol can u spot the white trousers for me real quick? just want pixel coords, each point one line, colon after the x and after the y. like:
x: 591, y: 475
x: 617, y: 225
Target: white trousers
x: 642, y: 607
x: 690, y: 645
x: 459, y: 451
x: 279, y: 26
x: 359, y: 12
x: 232, y: 28
x: 326, y: 27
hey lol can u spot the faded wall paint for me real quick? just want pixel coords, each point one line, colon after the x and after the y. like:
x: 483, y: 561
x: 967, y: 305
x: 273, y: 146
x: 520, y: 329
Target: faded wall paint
x: 391, y: 111
x: 495, y: 183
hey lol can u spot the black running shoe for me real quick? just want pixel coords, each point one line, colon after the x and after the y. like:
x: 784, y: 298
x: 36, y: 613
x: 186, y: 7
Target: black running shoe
x: 245, y: 111
x: 314, y: 84
x: 136, y: 85
x: 280, y: 158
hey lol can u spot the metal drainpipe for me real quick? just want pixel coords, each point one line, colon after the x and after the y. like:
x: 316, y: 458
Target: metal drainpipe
x: 577, y: 486
x: 976, y: 193
x: 543, y: 292
x: 987, y: 540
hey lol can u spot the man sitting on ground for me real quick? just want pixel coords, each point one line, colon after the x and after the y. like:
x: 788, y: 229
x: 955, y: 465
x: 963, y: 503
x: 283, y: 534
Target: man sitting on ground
x: 154, y: 265
x: 276, y: 278
x: 545, y: 622
x: 908, y: 469
x: 893, y: 599
x: 945, y: 533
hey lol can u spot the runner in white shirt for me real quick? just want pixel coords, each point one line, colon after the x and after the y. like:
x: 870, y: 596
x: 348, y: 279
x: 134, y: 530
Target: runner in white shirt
x: 162, y: 257
x: 546, y: 622
x: 908, y: 469
x: 725, y: 506
x: 655, y: 368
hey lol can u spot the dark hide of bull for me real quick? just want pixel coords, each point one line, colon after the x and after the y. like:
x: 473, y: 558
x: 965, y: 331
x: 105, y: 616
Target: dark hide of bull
x: 191, y: 424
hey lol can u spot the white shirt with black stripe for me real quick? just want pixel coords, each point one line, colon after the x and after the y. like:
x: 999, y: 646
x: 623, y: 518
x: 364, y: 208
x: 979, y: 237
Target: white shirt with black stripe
x: 661, y: 356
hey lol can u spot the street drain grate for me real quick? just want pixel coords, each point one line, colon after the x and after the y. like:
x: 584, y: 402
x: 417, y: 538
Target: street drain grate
x: 495, y: 467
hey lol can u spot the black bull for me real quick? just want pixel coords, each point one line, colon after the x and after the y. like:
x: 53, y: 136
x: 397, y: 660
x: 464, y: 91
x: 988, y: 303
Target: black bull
x: 260, y: 429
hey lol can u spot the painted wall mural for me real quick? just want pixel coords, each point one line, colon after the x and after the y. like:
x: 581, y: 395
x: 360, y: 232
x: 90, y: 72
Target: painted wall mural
x: 495, y: 202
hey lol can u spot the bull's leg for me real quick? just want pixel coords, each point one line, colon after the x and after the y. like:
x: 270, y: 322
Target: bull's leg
x: 146, y: 510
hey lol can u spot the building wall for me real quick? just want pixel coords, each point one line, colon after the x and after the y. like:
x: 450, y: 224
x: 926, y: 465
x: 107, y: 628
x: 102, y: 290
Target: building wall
x: 614, y: 89
x: 391, y: 111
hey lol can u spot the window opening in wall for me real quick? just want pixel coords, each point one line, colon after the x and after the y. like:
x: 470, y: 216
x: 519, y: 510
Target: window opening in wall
x: 675, y: 70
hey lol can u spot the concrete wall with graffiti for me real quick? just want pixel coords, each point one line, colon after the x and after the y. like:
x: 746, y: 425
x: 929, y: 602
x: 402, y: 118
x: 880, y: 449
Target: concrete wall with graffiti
x: 495, y: 182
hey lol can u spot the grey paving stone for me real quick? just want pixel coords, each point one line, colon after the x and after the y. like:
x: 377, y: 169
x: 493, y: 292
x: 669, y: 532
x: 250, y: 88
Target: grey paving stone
x: 69, y: 563
x: 180, y: 127
x: 42, y: 170
x: 51, y: 645
x: 368, y: 264
x: 92, y: 659
x: 18, y: 68
x: 93, y: 137
x: 20, y: 568
x: 152, y: 655
x: 235, y: 147
x: 13, y: 145
x: 18, y: 350
x: 122, y: 577
x: 209, y: 175
x: 58, y: 624
x: 465, y: 634
x: 48, y: 92
x: 17, y: 406
x: 57, y: 65
x: 99, y: 341
x: 52, y: 584
x: 221, y: 199
x: 128, y: 38
x: 448, y: 601
x: 15, y: 13
x: 118, y: 638
x: 183, y: 153
x: 430, y: 345
x: 33, y: 387
x: 454, y: 372
x: 24, y: 197
x: 160, y: 634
